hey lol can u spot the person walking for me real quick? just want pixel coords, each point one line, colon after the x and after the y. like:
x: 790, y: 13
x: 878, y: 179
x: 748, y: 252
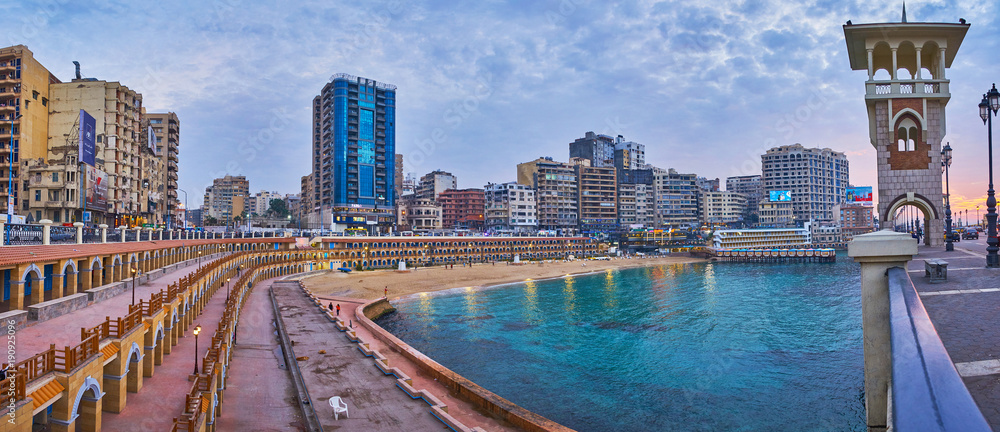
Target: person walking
x: 331, y: 306
x: 338, y: 309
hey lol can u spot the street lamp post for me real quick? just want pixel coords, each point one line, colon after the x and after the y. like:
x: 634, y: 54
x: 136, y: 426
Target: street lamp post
x: 197, y: 329
x: 134, y: 274
x: 945, y: 164
x: 979, y: 222
x: 990, y: 102
x: 227, y: 290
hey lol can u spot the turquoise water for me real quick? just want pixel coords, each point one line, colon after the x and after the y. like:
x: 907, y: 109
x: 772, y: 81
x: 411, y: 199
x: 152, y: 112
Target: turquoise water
x: 704, y: 347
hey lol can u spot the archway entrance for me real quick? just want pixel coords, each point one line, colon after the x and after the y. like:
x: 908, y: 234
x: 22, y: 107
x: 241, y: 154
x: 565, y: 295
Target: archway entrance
x: 915, y: 217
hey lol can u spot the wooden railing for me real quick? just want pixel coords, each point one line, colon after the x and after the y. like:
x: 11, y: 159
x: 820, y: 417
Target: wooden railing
x: 41, y: 364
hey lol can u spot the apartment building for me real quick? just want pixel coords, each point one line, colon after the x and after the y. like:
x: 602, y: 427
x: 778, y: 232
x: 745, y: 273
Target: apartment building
x: 676, y: 198
x: 433, y: 183
x: 855, y: 220
x: 721, y: 207
x: 598, y: 149
x: 166, y: 130
x: 226, y: 199
x: 597, y: 198
x: 555, y: 188
x: 751, y: 188
x: 510, y: 207
x: 775, y: 214
x: 463, y: 209
x: 816, y: 178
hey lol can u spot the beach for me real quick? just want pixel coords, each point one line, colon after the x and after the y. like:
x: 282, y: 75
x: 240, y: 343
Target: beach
x: 370, y: 285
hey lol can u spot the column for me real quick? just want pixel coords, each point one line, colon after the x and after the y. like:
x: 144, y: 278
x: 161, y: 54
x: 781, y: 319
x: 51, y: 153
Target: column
x: 79, y: 232
x: 122, y: 228
x: 138, y: 232
x: 894, y: 67
x: 917, y: 75
x: 104, y: 232
x: 16, y: 293
x: 871, y: 66
x: 57, y: 285
x: 86, y: 278
x: 941, y: 62
x: 71, y: 281
x: 46, y: 230
x: 877, y: 252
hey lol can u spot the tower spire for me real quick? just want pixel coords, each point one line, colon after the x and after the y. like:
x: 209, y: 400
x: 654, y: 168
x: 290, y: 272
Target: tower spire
x: 904, y: 11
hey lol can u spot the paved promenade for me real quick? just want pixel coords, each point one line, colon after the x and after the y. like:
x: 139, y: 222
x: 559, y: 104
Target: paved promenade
x: 260, y: 395
x: 65, y: 330
x: 374, y: 402
x: 965, y: 311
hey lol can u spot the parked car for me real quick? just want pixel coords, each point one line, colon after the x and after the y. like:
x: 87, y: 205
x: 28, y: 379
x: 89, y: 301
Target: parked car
x: 970, y: 234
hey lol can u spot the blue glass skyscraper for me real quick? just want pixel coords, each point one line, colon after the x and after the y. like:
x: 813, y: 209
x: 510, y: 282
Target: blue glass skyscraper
x: 354, y: 147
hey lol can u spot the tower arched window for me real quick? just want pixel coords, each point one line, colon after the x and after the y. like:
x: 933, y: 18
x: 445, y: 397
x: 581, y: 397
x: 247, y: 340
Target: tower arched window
x: 906, y: 135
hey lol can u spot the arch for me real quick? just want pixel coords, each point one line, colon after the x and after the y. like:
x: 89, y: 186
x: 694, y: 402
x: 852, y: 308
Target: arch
x: 69, y: 263
x: 918, y: 119
x: 39, y: 274
x: 98, y: 261
x: 159, y: 333
x: 89, y: 384
x: 914, y: 199
x: 116, y: 260
x: 136, y: 352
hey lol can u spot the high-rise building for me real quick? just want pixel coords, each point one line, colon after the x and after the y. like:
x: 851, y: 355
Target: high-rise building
x: 676, y: 198
x: 123, y: 186
x: 463, y: 209
x: 262, y: 202
x: 775, y: 214
x: 226, y: 199
x: 433, y: 183
x: 751, y: 188
x: 629, y: 155
x: 418, y: 214
x: 636, y: 205
x: 410, y: 184
x: 597, y: 198
x: 306, y: 195
x: 555, y: 193
x: 708, y: 185
x: 510, y: 207
x: 398, y: 185
x: 24, y: 118
x: 855, y: 220
x: 354, y: 149
x: 721, y: 207
x: 598, y: 149
x: 645, y: 205
x: 166, y: 130
x: 816, y: 178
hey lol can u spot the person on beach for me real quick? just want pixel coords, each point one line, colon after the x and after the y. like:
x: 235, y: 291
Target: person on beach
x: 338, y: 309
x: 386, y: 292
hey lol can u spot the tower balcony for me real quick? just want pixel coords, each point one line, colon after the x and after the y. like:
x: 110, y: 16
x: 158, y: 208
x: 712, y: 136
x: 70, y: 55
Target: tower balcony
x: 920, y: 88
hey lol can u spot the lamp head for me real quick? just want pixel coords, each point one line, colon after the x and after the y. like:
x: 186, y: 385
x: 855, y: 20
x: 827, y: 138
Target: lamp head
x: 197, y: 329
x: 994, y: 97
x: 984, y: 109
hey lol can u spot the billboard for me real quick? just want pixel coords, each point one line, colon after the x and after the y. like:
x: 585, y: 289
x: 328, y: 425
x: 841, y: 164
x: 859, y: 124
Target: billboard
x: 780, y: 195
x: 151, y: 140
x: 88, y: 138
x: 96, y: 192
x: 859, y: 194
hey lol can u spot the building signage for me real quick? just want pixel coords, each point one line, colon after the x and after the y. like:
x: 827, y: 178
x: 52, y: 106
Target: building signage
x: 88, y: 138
x: 859, y: 194
x: 151, y: 138
x: 96, y: 192
x: 351, y: 219
x: 780, y: 196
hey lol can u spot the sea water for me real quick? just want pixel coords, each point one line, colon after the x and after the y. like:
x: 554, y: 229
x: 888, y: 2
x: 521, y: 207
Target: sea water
x: 700, y: 347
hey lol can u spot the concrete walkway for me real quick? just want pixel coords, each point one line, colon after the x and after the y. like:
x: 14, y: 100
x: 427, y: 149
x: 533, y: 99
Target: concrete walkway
x: 373, y: 400
x: 162, y: 395
x: 259, y: 381
x: 65, y: 330
x: 965, y: 311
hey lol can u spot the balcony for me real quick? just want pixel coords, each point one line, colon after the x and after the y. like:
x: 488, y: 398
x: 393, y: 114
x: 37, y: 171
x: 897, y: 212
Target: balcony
x: 922, y: 88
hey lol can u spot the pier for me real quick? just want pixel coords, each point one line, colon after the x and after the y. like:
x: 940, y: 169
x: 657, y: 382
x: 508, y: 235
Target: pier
x: 773, y: 255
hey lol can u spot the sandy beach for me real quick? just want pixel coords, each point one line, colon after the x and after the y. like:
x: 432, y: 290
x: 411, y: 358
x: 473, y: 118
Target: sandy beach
x: 370, y: 285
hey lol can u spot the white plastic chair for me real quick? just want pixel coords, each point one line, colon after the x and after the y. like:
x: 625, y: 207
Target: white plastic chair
x: 339, y: 406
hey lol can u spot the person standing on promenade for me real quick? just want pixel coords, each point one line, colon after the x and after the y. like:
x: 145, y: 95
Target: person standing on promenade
x: 338, y: 309
x: 331, y: 306
x: 386, y: 291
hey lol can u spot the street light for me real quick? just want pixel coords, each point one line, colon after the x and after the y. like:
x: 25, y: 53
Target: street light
x: 990, y: 102
x: 227, y: 289
x: 134, y: 271
x: 945, y: 164
x: 197, y: 329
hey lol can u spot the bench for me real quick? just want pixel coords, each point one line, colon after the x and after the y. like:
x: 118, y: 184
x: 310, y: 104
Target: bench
x: 936, y: 269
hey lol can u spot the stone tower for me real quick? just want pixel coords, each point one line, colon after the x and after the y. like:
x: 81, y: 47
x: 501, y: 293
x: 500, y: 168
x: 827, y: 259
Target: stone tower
x: 906, y: 93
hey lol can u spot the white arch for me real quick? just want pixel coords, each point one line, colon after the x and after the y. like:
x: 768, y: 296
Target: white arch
x: 33, y: 267
x: 159, y: 333
x: 135, y: 350
x: 915, y: 201
x: 89, y: 383
x: 117, y: 260
x: 920, y: 118
x: 69, y: 263
x: 99, y: 264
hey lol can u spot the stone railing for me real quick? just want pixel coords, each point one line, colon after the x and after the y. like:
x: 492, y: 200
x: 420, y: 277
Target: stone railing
x: 911, y: 383
x: 880, y: 89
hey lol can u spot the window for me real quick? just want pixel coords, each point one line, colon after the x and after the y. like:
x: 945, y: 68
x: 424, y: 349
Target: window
x: 55, y: 177
x: 34, y: 94
x: 38, y: 195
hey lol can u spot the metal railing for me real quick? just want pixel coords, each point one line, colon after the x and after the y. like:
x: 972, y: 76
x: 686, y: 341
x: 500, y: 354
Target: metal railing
x: 23, y: 234
x: 62, y: 235
x: 927, y: 394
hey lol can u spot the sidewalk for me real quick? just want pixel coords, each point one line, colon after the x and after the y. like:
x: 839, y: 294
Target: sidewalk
x: 965, y: 310
x: 65, y: 330
x: 259, y: 381
x: 162, y: 395
x: 374, y: 401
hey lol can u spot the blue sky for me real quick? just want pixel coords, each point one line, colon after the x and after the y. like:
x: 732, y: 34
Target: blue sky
x: 706, y: 86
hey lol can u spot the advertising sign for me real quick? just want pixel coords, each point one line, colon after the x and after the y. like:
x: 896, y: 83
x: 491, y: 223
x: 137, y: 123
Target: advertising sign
x: 96, y: 189
x: 151, y: 140
x: 780, y: 196
x: 88, y: 138
x: 859, y: 194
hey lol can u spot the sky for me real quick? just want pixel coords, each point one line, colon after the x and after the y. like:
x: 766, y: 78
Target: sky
x: 706, y: 86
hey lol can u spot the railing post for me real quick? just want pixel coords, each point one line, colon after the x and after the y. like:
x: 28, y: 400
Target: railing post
x: 104, y: 232
x: 138, y: 233
x: 123, y: 228
x: 79, y: 232
x: 877, y: 252
x: 46, y: 230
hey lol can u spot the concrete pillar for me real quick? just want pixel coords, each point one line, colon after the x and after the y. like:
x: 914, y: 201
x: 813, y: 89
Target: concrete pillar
x: 104, y: 232
x: 138, y: 232
x: 71, y: 281
x: 86, y: 278
x: 917, y: 75
x: 46, y: 230
x: 171, y: 234
x: 941, y: 61
x: 894, y: 64
x: 16, y: 294
x: 123, y: 228
x: 79, y: 232
x: 57, y: 285
x: 871, y: 67
x: 37, y: 290
x: 877, y: 252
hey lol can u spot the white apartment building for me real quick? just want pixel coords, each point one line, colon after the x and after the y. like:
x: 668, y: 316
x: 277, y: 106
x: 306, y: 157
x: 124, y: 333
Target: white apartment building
x: 510, y: 207
x: 817, y: 179
x: 721, y: 207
